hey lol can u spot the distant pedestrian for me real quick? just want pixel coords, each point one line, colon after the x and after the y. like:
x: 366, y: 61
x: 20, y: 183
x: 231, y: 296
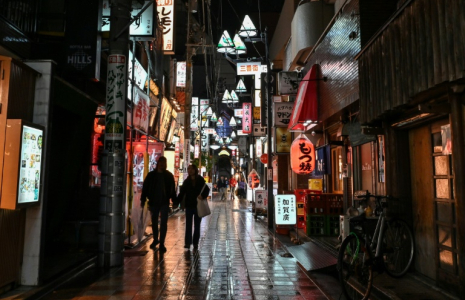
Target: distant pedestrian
x: 222, y: 188
x: 232, y: 185
x: 241, y: 186
x: 159, y: 188
x: 190, y: 190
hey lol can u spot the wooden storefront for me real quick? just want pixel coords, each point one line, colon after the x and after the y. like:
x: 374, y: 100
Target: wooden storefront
x: 411, y: 86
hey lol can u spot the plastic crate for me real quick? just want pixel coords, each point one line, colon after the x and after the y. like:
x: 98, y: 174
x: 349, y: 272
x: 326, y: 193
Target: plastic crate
x: 316, y: 204
x: 332, y: 225
x: 316, y: 225
x: 334, y: 204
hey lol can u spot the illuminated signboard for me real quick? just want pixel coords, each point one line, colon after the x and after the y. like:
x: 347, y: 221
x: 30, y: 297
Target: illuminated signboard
x: 181, y: 74
x: 285, y: 210
x: 166, y: 15
x: 247, y: 118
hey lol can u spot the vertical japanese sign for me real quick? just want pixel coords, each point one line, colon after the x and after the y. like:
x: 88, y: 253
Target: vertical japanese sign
x: 166, y: 15
x: 176, y: 156
x: 141, y: 111
x: 196, y: 151
x: 204, y: 103
x: 261, y: 199
x: 115, y: 103
x: 181, y: 74
x: 258, y: 147
x: 247, y: 118
x: 195, y: 114
x: 285, y: 210
x: 140, y: 75
x: 165, y: 119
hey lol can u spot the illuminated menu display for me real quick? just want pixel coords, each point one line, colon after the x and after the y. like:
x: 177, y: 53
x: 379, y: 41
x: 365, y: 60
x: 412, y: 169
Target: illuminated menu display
x: 30, y: 165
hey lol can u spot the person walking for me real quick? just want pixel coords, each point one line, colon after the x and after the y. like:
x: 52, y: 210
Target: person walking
x: 241, y: 188
x: 190, y: 190
x: 222, y: 187
x: 232, y: 186
x: 159, y: 188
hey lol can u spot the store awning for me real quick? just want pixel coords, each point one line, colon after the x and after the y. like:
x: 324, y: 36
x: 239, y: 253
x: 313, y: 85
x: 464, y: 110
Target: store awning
x: 305, y: 112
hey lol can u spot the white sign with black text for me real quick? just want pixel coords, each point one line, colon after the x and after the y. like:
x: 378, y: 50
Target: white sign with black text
x: 285, y: 210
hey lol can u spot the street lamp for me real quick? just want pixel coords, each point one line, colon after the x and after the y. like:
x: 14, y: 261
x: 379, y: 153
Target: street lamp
x: 232, y: 122
x: 240, y: 88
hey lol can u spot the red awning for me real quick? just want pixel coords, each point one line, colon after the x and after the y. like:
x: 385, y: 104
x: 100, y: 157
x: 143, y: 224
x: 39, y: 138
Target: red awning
x: 305, y: 112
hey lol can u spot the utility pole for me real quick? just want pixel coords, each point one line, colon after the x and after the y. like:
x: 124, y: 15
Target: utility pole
x: 269, y: 128
x: 190, y: 50
x: 112, y: 195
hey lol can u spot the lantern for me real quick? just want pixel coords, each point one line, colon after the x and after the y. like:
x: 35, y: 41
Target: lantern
x: 302, y: 155
x: 253, y: 179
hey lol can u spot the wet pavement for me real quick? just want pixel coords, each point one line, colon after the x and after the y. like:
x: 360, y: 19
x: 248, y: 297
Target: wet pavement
x: 238, y: 258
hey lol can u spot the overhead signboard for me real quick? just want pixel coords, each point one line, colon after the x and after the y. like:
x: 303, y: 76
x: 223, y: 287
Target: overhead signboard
x: 249, y: 68
x: 238, y: 113
x: 141, y: 110
x: 285, y: 210
x: 247, y: 118
x: 140, y: 75
x: 181, y: 74
x: 142, y: 29
x: 258, y: 130
x: 288, y: 82
x: 282, y: 113
x: 195, y: 114
x: 165, y: 10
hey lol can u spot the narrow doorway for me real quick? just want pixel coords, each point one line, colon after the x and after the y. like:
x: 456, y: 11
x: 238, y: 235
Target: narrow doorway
x: 433, y: 203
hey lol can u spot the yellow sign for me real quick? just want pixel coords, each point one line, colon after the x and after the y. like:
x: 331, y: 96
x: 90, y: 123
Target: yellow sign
x: 315, y: 184
x: 283, y: 140
x: 256, y: 113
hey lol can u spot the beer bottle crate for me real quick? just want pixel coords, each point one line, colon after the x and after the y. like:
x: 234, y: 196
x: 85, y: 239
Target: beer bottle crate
x: 316, y: 204
x: 334, y: 204
x: 332, y: 225
x: 316, y: 225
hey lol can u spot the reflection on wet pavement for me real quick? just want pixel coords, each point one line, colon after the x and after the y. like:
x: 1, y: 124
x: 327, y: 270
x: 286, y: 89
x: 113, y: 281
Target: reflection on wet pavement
x: 238, y: 258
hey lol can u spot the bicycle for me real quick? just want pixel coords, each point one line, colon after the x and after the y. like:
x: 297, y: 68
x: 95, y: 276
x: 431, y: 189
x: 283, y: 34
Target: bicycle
x: 390, y: 249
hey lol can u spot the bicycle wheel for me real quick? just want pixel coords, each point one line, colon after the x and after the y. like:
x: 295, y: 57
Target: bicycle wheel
x: 398, y: 247
x: 355, y: 272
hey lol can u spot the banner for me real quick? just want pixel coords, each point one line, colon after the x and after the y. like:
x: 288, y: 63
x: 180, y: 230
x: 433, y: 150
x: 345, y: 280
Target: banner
x: 166, y: 16
x: 115, y: 103
x: 247, y: 118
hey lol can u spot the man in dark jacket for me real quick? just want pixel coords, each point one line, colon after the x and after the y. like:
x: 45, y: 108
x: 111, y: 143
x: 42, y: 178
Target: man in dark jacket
x: 159, y: 188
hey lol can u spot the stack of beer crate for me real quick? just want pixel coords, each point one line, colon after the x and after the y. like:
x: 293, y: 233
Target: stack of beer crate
x: 323, y: 211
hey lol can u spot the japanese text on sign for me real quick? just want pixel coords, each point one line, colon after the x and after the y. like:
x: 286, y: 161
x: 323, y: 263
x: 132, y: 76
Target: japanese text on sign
x: 285, y: 210
x: 166, y: 15
x: 247, y: 118
x: 261, y: 199
x: 115, y: 102
x: 282, y: 113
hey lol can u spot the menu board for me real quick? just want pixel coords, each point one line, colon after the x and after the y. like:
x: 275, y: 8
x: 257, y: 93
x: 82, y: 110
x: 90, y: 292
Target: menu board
x: 30, y: 165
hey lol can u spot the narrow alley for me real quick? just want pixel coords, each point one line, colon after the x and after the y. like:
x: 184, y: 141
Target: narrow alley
x: 238, y: 258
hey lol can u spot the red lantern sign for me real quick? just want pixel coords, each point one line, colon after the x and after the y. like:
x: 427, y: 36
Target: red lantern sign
x: 302, y: 155
x: 264, y: 158
x: 253, y: 179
